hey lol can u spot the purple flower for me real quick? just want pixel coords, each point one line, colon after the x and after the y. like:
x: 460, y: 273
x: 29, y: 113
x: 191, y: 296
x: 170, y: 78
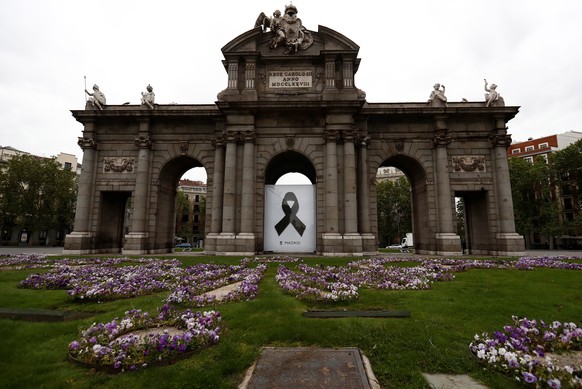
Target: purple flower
x: 74, y: 345
x: 554, y: 383
x: 529, y: 378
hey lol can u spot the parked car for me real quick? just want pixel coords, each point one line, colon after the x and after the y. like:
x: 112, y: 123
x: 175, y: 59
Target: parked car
x: 396, y: 246
x: 184, y: 245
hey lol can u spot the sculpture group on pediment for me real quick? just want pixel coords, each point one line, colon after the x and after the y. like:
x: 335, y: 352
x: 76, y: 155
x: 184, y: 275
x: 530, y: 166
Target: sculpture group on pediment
x: 287, y: 30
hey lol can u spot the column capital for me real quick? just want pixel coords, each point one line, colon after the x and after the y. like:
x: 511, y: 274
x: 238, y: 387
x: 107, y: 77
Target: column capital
x: 331, y: 136
x: 363, y: 139
x: 249, y: 136
x: 349, y: 135
x: 143, y: 142
x: 441, y: 138
x: 219, y: 141
x: 231, y: 136
x: 500, y: 140
x: 87, y: 143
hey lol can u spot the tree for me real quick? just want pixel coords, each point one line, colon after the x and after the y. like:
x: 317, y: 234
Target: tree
x: 567, y: 167
x: 182, y: 212
x: 37, y: 194
x: 535, y: 202
x: 394, y: 210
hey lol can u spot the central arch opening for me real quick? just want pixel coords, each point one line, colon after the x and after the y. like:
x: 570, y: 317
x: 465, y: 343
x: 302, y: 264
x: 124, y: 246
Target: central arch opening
x: 415, y: 230
x: 290, y: 198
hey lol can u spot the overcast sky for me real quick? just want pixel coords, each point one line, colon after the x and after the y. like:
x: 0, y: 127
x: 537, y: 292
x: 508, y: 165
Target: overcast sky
x: 529, y: 48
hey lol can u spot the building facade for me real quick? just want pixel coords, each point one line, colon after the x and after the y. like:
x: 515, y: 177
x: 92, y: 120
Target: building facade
x: 565, y: 191
x: 192, y: 223
x: 291, y: 105
x: 13, y: 229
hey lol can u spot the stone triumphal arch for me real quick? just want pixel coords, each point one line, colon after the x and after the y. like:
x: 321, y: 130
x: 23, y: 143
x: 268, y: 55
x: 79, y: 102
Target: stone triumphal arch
x: 291, y: 105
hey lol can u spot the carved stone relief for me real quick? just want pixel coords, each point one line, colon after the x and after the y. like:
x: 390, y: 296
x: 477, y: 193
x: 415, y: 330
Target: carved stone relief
x: 469, y: 163
x: 118, y: 164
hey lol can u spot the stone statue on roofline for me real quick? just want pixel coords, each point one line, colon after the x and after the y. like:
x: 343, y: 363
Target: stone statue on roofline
x: 148, y: 98
x: 492, y: 97
x: 97, y: 98
x: 437, y: 96
x: 287, y: 30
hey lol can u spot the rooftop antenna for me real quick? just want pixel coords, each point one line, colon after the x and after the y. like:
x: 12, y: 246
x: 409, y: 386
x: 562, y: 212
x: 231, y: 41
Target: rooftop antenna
x: 85, y: 94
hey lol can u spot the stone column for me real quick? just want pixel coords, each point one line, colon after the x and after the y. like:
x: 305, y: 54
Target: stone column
x: 245, y: 240
x: 248, y: 183
x: 229, y: 199
x: 448, y: 242
x: 79, y: 241
x: 136, y: 240
x: 364, y: 207
x: 332, y: 240
x: 369, y: 241
x: 140, y: 200
x: 331, y: 184
x: 508, y: 241
x: 352, y: 241
x: 217, y: 185
x: 350, y: 197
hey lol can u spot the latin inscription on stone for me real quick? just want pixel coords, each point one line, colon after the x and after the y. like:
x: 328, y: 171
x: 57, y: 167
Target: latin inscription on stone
x: 285, y: 79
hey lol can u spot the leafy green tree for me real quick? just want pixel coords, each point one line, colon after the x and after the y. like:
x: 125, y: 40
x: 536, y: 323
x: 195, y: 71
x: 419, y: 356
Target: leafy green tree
x: 535, y: 203
x: 394, y: 210
x: 567, y: 166
x: 182, y: 214
x: 37, y: 194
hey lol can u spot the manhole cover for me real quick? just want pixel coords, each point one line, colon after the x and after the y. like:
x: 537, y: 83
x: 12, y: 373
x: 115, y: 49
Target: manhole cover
x: 305, y: 367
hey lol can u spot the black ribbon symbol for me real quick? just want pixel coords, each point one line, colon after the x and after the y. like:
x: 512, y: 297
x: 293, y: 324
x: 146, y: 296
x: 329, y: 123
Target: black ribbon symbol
x: 290, y: 215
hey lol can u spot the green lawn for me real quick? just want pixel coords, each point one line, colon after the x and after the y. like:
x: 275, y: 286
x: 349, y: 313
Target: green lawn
x: 434, y: 339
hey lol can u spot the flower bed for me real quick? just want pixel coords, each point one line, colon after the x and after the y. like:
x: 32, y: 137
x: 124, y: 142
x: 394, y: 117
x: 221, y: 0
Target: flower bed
x: 193, y: 288
x: 521, y: 351
x: 123, y: 345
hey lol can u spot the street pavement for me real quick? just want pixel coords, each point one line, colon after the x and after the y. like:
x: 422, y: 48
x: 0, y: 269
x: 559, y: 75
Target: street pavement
x: 13, y: 250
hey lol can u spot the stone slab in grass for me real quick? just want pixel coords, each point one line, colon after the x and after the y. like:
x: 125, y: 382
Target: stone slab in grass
x: 452, y: 381
x: 41, y: 314
x: 372, y: 313
x: 307, y: 367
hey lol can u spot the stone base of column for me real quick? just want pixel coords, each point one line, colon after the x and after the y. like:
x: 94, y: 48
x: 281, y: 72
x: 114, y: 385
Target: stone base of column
x: 210, y: 243
x: 353, y: 244
x: 226, y: 244
x: 332, y: 244
x: 448, y: 244
x: 246, y: 243
x: 78, y: 243
x: 369, y: 244
x: 510, y: 244
x: 136, y: 243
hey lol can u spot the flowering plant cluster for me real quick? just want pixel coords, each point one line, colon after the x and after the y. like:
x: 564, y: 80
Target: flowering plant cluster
x: 316, y: 284
x: 337, y: 283
x: 272, y: 259
x: 121, y: 345
x: 521, y: 350
x: 193, y: 288
x: 106, y: 281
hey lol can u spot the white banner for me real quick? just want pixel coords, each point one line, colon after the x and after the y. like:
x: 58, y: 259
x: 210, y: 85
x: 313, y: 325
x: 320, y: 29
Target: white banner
x: 290, y: 218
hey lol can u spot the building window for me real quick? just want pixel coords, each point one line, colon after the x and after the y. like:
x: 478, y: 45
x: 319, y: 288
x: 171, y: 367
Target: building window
x: 516, y: 151
x: 529, y: 148
x: 543, y: 145
x: 543, y: 157
x: 68, y: 166
x: 529, y: 159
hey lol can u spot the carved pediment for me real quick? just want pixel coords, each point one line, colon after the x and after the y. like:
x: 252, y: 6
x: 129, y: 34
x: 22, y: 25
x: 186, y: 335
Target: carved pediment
x: 256, y: 41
